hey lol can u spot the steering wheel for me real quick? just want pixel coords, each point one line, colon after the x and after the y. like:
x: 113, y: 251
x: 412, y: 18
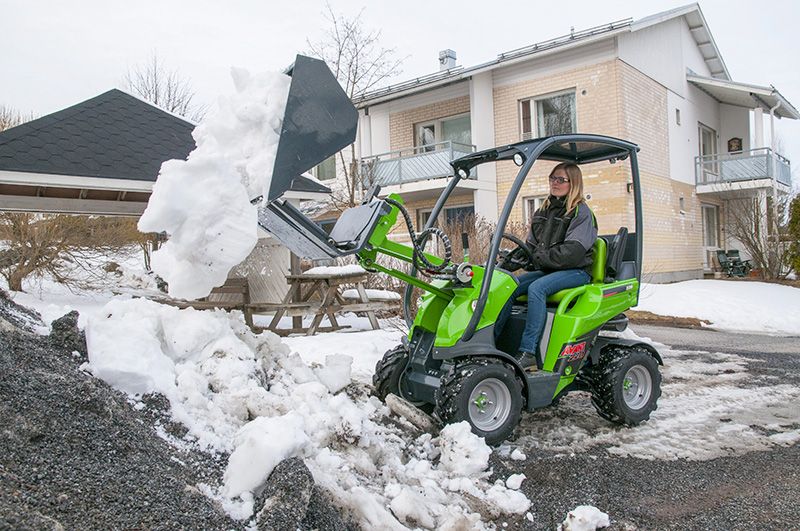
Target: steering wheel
x: 511, y: 260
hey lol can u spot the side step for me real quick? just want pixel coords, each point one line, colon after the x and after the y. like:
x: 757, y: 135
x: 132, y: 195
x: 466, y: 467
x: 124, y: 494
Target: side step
x: 541, y: 388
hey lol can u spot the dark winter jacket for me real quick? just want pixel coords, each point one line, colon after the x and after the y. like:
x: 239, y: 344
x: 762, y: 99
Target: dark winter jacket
x: 562, y: 240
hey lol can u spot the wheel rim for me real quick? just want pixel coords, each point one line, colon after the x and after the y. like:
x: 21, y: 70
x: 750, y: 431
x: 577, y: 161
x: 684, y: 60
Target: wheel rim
x: 489, y: 405
x: 637, y: 386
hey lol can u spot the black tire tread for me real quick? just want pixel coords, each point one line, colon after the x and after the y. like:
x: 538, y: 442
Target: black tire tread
x: 447, y: 395
x: 385, y: 370
x: 604, y: 377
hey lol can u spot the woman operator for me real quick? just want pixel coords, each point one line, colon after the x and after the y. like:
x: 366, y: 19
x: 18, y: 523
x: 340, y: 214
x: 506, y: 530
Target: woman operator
x: 561, y: 236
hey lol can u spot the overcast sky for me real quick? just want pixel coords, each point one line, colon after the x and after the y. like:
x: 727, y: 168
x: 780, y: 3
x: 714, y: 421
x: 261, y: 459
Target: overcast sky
x: 55, y: 54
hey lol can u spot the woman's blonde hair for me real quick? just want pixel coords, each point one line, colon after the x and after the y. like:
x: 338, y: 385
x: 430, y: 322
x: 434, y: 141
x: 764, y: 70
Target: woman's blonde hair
x: 575, y: 195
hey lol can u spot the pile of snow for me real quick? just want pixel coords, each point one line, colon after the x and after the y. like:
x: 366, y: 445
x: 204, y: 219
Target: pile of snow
x: 218, y: 376
x: 584, y: 518
x: 203, y: 203
x: 737, y: 306
x: 342, y: 270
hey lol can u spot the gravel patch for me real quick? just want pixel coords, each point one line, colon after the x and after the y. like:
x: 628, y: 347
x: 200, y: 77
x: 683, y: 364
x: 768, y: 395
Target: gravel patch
x: 76, y: 455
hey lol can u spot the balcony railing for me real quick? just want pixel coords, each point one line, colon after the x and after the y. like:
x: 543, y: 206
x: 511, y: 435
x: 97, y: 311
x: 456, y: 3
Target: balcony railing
x: 761, y: 163
x: 413, y: 164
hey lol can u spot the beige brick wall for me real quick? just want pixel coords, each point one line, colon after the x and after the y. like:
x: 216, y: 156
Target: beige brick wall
x: 597, y: 103
x: 401, y: 124
x: 613, y: 98
x: 674, y: 238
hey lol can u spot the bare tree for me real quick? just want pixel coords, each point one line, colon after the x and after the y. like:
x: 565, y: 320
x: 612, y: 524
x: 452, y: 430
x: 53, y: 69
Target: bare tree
x: 165, y: 88
x: 10, y: 117
x: 66, y: 248
x: 360, y: 63
x: 759, y: 223
x: 793, y: 230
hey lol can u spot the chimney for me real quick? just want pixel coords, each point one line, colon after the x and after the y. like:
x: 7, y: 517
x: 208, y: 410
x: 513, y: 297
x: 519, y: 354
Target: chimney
x: 447, y: 60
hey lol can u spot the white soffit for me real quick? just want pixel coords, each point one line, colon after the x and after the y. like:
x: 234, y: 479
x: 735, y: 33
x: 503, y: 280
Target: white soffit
x: 745, y: 95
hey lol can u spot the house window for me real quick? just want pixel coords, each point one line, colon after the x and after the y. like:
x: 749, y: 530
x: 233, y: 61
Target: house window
x: 710, y: 226
x: 460, y: 215
x: 327, y: 225
x: 452, y: 216
x: 532, y: 204
x: 457, y: 129
x: 546, y: 116
x: 707, y: 139
x: 422, y: 218
x: 325, y: 170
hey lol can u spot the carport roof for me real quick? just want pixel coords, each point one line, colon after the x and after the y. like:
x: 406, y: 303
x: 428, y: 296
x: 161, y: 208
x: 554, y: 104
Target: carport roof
x: 113, y: 135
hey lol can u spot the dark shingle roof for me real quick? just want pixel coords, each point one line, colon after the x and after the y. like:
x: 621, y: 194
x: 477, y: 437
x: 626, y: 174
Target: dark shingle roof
x: 113, y: 135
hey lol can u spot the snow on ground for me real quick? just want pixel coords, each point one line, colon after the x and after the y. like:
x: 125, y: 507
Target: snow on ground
x: 213, y: 370
x: 741, y: 306
x: 584, y: 518
x: 218, y: 376
x: 709, y: 408
x: 203, y: 203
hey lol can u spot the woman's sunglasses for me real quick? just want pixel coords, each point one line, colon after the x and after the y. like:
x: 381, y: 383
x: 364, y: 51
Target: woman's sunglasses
x: 559, y: 180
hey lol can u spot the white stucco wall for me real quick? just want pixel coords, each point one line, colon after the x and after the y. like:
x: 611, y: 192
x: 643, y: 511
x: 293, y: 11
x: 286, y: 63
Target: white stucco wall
x: 733, y: 122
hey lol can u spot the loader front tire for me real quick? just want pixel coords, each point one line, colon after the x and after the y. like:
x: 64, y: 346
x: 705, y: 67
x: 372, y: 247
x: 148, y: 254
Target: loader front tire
x: 485, y: 392
x: 388, y: 371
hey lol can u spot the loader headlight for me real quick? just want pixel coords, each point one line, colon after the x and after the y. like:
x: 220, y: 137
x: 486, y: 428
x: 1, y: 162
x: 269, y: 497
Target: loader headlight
x: 519, y: 159
x: 474, y: 304
x: 463, y: 173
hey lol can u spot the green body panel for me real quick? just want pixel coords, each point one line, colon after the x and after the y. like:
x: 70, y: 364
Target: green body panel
x: 590, y: 311
x: 456, y: 315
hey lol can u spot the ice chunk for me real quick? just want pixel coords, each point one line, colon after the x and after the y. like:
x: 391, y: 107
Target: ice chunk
x: 584, y: 518
x: 463, y: 452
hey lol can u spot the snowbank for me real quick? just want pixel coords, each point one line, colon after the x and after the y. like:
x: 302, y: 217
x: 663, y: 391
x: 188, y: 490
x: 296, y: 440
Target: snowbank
x: 218, y: 376
x: 737, y: 306
x: 203, y: 202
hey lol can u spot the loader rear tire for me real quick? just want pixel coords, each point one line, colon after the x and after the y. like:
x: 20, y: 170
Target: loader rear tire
x: 625, y: 385
x: 485, y: 392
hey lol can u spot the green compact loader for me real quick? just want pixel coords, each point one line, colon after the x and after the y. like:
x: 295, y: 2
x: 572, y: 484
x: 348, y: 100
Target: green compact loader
x: 450, y: 364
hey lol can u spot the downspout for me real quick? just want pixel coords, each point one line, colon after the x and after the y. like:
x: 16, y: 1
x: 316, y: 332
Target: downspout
x: 774, y: 160
x: 772, y: 125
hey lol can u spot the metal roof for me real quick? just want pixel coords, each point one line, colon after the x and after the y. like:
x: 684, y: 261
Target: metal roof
x: 745, y: 95
x: 694, y: 18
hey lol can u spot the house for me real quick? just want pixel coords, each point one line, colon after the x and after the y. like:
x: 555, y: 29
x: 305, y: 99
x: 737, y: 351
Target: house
x: 659, y: 81
x: 102, y: 157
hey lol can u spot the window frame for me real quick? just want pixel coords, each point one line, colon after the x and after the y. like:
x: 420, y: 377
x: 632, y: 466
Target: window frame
x: 437, y: 130
x: 315, y: 169
x: 532, y: 104
x: 537, y: 203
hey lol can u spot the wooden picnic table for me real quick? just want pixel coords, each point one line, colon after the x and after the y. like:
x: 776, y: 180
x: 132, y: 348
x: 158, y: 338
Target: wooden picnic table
x: 320, y: 295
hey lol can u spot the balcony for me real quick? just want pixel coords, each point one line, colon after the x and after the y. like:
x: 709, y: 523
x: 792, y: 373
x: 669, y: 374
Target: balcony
x: 715, y: 173
x: 413, y: 164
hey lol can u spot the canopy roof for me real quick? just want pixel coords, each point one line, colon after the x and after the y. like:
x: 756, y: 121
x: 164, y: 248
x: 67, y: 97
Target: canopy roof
x: 745, y: 95
x: 576, y: 148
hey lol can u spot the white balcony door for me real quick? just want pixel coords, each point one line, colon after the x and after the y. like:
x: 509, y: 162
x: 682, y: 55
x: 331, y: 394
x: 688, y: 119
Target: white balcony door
x: 707, y: 139
x: 710, y: 234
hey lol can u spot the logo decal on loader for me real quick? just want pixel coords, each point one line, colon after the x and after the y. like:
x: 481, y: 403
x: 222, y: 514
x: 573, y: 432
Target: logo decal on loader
x: 574, y: 352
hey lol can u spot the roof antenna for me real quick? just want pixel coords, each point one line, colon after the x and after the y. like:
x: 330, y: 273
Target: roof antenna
x: 572, y: 32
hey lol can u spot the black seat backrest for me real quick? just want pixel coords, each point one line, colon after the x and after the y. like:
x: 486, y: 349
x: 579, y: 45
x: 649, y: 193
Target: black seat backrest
x: 616, y: 251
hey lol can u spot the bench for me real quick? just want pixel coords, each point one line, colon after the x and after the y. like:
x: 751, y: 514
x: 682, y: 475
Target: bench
x: 234, y: 294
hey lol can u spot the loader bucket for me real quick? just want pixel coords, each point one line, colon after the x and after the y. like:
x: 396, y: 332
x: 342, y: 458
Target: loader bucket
x: 319, y: 121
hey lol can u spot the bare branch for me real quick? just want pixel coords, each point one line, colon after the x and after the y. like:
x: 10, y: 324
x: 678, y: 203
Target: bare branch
x: 164, y: 88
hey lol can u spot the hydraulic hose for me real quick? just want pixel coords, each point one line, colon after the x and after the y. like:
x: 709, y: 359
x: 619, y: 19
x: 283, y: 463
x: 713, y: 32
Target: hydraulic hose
x: 418, y: 241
